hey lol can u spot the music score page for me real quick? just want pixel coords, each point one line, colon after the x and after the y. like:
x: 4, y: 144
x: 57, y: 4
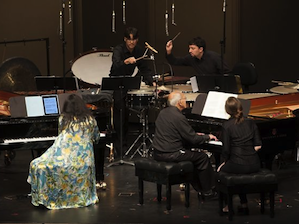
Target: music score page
x: 215, y: 105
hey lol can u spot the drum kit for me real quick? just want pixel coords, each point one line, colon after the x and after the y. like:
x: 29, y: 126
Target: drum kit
x: 94, y: 65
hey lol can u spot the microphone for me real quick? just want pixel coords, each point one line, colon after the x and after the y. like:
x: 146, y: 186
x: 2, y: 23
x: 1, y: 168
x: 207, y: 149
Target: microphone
x: 60, y: 23
x: 224, y: 5
x: 151, y: 48
x: 113, y: 21
x: 70, y: 12
x: 124, y: 12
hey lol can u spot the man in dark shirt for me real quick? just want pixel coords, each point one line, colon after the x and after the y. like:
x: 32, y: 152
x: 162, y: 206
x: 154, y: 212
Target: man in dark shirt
x: 174, y: 137
x: 123, y: 64
x: 203, y: 62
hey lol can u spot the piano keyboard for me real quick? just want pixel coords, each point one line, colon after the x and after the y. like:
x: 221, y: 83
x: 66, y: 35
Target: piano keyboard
x: 37, y: 139
x: 26, y: 140
x: 215, y: 143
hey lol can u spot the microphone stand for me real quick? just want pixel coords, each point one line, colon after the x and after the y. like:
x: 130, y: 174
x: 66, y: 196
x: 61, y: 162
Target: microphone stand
x: 62, y: 38
x: 223, y: 41
x: 171, y: 74
x: 156, y: 77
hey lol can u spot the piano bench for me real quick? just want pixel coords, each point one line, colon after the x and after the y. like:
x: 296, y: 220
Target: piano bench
x: 164, y: 173
x: 261, y: 182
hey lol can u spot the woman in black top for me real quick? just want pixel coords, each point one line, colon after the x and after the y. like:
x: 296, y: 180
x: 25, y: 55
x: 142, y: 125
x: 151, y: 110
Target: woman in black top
x: 241, y: 141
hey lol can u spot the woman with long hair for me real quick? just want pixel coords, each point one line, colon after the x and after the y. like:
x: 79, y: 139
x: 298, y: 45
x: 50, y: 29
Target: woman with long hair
x: 64, y: 175
x: 241, y: 141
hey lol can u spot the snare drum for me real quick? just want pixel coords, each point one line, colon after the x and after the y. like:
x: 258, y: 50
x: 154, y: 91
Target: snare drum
x: 92, y: 66
x: 140, y: 98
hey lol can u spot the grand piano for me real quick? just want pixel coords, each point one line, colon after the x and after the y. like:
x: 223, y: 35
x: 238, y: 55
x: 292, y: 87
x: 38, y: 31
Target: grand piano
x: 276, y: 116
x: 36, y: 134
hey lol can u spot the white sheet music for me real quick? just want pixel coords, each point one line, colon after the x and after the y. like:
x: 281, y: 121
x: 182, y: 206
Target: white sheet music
x: 194, y: 84
x: 34, y: 106
x: 215, y: 105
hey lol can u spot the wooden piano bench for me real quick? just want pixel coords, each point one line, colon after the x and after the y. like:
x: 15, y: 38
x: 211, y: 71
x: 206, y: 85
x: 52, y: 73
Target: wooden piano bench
x: 261, y: 182
x: 164, y: 173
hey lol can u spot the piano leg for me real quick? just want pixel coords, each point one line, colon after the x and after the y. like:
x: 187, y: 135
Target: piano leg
x: 9, y: 156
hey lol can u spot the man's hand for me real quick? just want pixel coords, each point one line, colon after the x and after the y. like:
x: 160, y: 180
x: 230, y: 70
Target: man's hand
x: 130, y: 60
x: 169, y: 47
x: 213, y: 137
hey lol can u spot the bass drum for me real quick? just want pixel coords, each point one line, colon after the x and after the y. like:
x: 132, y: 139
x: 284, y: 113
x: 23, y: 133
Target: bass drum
x: 92, y: 66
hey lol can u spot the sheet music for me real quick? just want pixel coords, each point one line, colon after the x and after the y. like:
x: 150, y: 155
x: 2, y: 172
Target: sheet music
x: 215, y: 105
x: 42, y: 105
x: 34, y: 106
x: 194, y: 85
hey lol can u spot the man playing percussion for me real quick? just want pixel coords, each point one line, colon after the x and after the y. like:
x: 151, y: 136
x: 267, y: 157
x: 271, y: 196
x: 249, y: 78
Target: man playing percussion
x: 203, y: 62
x: 123, y: 64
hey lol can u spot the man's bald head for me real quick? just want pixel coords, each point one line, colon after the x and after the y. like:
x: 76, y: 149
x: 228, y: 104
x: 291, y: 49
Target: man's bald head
x: 177, y: 99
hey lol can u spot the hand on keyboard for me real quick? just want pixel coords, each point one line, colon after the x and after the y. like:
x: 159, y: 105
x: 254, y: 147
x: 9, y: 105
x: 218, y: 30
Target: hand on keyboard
x: 213, y: 137
x: 215, y: 142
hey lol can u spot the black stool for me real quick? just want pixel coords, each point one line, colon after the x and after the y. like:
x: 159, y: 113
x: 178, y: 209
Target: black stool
x: 167, y: 173
x: 261, y: 182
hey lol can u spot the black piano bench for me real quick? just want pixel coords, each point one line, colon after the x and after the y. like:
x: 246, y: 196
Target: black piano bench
x: 164, y: 173
x: 261, y: 182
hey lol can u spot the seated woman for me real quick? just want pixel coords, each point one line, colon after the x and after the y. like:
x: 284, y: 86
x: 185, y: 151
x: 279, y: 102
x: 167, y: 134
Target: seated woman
x: 241, y: 141
x: 64, y: 176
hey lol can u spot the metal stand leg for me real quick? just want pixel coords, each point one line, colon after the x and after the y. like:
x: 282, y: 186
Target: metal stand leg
x: 142, y: 150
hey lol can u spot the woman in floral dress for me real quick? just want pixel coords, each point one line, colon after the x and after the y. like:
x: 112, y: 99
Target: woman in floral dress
x: 64, y: 176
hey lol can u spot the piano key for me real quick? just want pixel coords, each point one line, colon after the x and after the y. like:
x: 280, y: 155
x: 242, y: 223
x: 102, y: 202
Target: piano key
x: 38, y: 139
x: 215, y: 143
x: 25, y: 140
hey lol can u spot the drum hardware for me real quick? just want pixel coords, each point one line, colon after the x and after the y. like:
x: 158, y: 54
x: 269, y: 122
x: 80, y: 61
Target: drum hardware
x: 142, y: 149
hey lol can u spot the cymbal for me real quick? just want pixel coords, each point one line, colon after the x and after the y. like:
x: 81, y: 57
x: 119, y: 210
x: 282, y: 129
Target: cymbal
x: 282, y: 83
x: 283, y: 90
x: 174, y: 79
x: 164, y: 88
x: 180, y: 87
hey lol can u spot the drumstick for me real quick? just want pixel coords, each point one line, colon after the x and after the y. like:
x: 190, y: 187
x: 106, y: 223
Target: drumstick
x: 144, y: 56
x: 175, y: 36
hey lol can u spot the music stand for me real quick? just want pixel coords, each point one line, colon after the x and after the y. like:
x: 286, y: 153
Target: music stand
x: 45, y: 83
x: 221, y: 83
x: 121, y: 83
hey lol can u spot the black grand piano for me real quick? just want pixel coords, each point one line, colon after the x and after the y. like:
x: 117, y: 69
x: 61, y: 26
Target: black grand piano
x: 275, y: 116
x: 36, y: 134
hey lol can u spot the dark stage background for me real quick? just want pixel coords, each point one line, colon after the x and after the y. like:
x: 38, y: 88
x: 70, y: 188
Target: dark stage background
x: 263, y: 32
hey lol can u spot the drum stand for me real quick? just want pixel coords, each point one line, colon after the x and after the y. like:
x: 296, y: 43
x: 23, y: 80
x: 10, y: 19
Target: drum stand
x: 142, y: 149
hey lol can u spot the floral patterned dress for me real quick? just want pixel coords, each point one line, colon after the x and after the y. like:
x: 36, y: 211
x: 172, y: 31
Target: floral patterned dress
x: 64, y: 176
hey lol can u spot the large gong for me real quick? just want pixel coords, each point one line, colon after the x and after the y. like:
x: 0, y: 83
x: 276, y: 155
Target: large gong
x: 17, y: 74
